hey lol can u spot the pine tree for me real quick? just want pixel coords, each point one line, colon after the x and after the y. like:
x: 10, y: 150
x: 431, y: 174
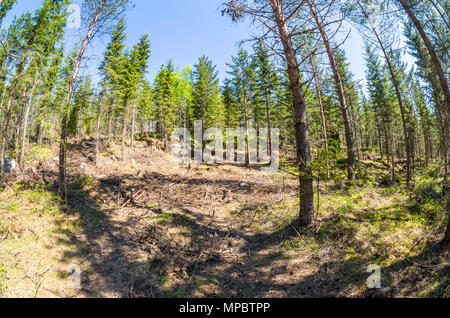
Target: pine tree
x: 351, y: 96
x: 39, y: 39
x: 82, y: 102
x: 110, y: 68
x: 242, y: 80
x: 133, y: 71
x: 206, y: 103
x: 379, y: 88
x: 146, y: 111
x: 165, y: 102
x: 230, y: 105
x: 266, y: 82
x: 183, y: 96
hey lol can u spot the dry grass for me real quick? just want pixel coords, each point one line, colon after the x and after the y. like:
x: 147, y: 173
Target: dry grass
x: 147, y: 227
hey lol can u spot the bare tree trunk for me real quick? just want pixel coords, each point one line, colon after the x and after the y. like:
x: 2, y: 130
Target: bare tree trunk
x: 133, y: 126
x: 40, y: 134
x: 256, y: 125
x: 99, y: 119
x: 110, y: 119
x: 322, y: 115
x: 392, y: 154
x: 23, y: 105
x: 25, y: 123
x: 247, y: 140
x: 341, y: 95
x: 380, y: 144
x: 8, y: 114
x: 63, y: 141
x: 399, y: 98
x: 300, y: 120
x: 269, y: 125
x: 354, y: 128
x: 4, y: 93
x: 124, y: 129
x: 166, y: 138
x: 386, y: 144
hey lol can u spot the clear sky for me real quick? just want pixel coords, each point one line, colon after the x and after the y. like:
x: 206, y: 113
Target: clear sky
x: 183, y: 30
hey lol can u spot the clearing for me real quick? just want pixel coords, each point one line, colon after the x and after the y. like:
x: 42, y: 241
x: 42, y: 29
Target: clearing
x: 148, y: 227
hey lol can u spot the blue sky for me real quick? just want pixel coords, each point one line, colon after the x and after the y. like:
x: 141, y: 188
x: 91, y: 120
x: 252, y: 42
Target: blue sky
x: 183, y: 30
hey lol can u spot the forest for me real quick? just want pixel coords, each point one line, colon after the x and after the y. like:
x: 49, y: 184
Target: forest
x: 93, y: 204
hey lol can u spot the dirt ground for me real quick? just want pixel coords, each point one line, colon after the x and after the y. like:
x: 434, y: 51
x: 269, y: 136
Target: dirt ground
x: 148, y: 227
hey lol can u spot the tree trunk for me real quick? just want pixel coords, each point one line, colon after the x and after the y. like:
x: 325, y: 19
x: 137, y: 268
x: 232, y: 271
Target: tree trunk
x: 399, y: 98
x: 380, y: 144
x: 19, y: 121
x: 25, y: 123
x: 110, y: 119
x: 354, y: 127
x: 443, y: 81
x: 133, y: 126
x: 97, y: 130
x: 63, y: 141
x: 247, y: 141
x: 322, y: 115
x: 392, y: 153
x: 269, y: 125
x: 341, y: 95
x: 300, y: 120
x: 447, y: 233
x: 124, y: 129
x: 8, y: 114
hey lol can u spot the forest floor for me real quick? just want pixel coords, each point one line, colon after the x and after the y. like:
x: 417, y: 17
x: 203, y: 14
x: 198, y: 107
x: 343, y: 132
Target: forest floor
x: 148, y: 227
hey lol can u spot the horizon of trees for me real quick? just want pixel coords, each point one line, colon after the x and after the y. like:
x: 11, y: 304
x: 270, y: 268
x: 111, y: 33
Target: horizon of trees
x: 295, y: 77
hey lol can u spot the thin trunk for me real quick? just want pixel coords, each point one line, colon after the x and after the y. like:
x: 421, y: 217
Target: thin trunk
x: 444, y: 19
x: 247, y: 141
x: 380, y: 144
x: 63, y: 141
x: 124, y: 128
x: 40, y: 135
x: 447, y: 233
x: 269, y: 125
x: 399, y: 98
x: 110, y: 120
x: 341, y: 95
x: 256, y: 124
x: 25, y: 123
x: 4, y: 93
x: 392, y: 154
x: 386, y: 145
x: 133, y: 126
x: 443, y: 81
x: 8, y: 114
x: 322, y: 116
x: 97, y: 130
x: 355, y: 129
x: 23, y: 105
x: 300, y: 119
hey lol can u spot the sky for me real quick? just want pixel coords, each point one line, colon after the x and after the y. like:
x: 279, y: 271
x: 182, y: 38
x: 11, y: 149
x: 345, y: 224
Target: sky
x: 184, y: 30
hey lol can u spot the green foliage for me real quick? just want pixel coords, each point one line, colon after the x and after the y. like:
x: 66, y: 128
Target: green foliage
x: 206, y: 103
x: 6, y: 5
x: 82, y: 103
x: 428, y: 188
x: 164, y: 100
x: 81, y: 182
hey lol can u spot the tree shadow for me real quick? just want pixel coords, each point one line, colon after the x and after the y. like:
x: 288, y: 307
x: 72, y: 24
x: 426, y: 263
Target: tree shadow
x: 126, y: 246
